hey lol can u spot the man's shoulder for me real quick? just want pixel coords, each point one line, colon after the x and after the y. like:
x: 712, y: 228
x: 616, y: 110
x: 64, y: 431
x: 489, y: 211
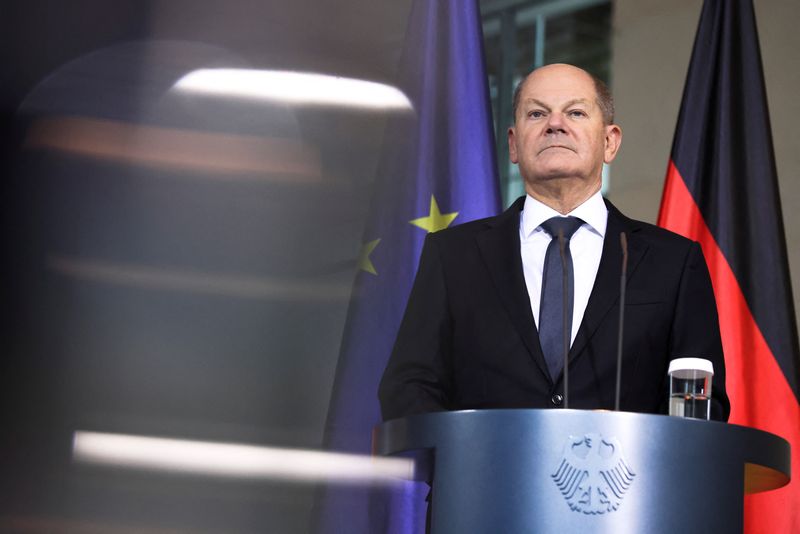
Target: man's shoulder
x: 652, y: 234
x: 508, y: 221
x: 466, y: 229
x: 661, y: 235
x: 467, y: 236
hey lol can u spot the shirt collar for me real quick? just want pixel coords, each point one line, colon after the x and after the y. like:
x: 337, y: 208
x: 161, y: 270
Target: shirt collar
x: 593, y: 212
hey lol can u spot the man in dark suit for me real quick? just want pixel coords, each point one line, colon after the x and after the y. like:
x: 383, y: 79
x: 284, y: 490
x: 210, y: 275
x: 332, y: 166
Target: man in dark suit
x: 478, y: 332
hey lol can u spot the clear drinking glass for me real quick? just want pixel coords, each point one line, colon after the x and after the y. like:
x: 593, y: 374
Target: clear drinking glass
x: 690, y: 387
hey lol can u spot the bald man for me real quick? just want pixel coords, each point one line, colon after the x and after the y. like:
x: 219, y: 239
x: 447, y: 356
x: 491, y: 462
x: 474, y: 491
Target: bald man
x: 484, y: 323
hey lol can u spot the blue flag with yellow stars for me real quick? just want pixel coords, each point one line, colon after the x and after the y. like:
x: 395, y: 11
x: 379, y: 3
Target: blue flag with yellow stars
x: 438, y: 169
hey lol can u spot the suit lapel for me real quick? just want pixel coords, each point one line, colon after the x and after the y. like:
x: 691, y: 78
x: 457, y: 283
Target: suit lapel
x: 500, y: 249
x: 605, y: 292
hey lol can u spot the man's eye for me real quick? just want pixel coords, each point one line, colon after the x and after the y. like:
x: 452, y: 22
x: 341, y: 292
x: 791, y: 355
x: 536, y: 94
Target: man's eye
x: 577, y: 113
x: 535, y: 114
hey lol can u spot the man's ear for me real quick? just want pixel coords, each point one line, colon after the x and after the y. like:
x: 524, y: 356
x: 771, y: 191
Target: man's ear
x: 613, y: 141
x: 512, y: 146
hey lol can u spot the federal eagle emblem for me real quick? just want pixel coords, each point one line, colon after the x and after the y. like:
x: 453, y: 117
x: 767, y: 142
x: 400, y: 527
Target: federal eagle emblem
x: 593, y: 476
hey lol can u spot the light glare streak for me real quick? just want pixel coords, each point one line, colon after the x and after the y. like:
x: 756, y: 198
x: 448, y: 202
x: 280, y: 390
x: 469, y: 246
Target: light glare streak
x: 235, y: 460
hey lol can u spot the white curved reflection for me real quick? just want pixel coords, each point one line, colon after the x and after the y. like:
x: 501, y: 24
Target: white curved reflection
x: 235, y: 460
x: 293, y: 88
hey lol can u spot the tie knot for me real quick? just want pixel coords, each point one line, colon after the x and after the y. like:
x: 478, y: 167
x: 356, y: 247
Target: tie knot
x: 567, y: 225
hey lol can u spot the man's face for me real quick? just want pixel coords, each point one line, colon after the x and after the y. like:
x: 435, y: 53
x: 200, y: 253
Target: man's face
x: 559, y: 131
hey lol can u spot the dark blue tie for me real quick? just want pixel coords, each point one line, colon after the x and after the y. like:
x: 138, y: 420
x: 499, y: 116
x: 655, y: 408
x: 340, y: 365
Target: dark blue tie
x: 551, y: 309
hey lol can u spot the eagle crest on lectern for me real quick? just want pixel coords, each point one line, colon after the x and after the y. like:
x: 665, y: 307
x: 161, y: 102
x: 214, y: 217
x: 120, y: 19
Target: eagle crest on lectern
x: 593, y: 475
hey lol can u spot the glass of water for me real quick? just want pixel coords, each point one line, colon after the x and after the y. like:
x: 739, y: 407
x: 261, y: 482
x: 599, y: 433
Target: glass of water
x: 690, y: 387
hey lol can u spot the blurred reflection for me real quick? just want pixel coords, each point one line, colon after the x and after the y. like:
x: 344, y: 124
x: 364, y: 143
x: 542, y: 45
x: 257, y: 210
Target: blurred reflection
x: 236, y: 460
x: 283, y: 159
x: 294, y: 88
x: 147, y: 277
x: 182, y: 261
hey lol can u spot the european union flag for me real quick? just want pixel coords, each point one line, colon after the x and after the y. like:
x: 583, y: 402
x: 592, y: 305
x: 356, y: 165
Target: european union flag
x: 438, y: 169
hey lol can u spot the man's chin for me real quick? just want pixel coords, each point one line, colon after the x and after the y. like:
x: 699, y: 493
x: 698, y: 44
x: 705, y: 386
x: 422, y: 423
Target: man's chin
x: 557, y: 173
x: 555, y: 160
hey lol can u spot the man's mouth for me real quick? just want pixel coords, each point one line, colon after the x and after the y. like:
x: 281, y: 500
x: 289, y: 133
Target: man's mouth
x: 557, y: 146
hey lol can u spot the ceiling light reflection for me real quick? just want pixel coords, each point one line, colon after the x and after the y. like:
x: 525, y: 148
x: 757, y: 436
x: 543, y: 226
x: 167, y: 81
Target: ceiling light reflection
x: 235, y: 460
x: 293, y: 88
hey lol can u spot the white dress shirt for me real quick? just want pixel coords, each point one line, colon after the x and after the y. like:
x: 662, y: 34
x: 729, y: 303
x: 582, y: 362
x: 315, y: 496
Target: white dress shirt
x: 586, y: 247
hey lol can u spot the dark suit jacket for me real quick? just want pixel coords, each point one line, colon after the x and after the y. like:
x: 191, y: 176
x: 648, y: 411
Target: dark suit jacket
x: 468, y: 339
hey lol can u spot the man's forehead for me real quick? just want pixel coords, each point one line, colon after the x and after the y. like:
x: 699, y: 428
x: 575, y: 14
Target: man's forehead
x: 560, y: 73
x: 559, y: 85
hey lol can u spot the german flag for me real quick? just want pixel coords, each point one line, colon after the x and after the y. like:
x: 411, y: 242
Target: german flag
x: 721, y: 190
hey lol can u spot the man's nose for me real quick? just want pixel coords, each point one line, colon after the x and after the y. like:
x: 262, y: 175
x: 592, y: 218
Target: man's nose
x: 555, y: 123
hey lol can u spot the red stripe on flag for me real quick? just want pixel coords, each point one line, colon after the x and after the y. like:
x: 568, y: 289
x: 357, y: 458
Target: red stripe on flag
x: 759, y: 392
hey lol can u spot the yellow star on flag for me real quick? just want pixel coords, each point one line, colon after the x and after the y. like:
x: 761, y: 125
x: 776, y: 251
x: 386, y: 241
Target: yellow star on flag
x: 364, y: 263
x: 436, y: 220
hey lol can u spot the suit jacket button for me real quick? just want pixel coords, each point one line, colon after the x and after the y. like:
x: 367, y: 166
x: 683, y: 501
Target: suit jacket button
x: 557, y: 399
